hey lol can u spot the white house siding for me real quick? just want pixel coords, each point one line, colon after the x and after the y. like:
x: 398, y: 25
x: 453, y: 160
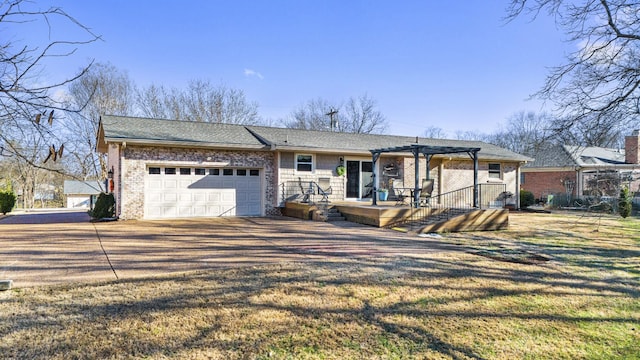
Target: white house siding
x: 78, y: 201
x: 324, y: 166
x: 136, y: 160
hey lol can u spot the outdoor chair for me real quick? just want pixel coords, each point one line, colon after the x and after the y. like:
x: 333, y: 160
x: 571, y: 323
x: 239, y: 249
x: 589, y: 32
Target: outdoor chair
x: 425, y: 192
x: 399, y: 192
x: 306, y: 191
x: 324, y: 188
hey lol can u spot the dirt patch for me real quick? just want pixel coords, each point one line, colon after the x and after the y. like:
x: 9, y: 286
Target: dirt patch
x: 513, y: 256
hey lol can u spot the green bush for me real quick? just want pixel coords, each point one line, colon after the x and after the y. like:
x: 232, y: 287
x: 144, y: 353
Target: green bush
x: 624, y: 203
x: 7, y: 201
x: 105, y: 207
x: 526, y: 198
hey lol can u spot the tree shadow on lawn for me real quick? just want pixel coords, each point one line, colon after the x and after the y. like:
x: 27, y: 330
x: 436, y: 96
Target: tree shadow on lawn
x: 362, y: 307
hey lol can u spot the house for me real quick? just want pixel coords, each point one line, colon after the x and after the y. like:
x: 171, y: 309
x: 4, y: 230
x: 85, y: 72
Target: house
x: 172, y: 169
x: 82, y: 194
x: 578, y: 171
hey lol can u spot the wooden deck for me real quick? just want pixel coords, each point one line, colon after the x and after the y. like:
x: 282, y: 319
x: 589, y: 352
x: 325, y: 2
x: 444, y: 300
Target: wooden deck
x: 386, y: 214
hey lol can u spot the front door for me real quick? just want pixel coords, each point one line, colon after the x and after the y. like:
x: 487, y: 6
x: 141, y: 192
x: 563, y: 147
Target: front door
x: 359, y: 179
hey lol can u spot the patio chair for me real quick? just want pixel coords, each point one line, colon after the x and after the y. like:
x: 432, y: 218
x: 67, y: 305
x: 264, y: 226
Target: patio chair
x: 425, y: 192
x: 324, y: 188
x: 399, y: 192
x: 305, y: 191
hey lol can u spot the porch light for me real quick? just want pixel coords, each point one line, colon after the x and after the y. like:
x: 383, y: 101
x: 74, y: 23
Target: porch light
x: 110, y: 173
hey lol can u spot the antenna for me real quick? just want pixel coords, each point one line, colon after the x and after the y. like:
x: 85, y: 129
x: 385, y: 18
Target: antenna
x: 330, y: 115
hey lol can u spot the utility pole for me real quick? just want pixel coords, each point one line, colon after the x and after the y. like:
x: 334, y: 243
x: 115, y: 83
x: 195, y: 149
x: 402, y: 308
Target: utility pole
x: 330, y: 114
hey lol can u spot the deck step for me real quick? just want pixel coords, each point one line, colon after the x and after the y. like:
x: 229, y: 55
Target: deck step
x: 334, y: 215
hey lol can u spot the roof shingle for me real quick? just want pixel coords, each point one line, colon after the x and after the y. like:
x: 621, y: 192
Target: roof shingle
x: 154, y: 131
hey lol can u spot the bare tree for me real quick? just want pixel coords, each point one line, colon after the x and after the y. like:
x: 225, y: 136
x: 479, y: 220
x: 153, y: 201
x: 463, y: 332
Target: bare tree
x: 200, y: 101
x: 312, y: 115
x: 358, y: 115
x: 151, y: 102
x: 435, y: 132
x: 362, y: 117
x: 27, y: 102
x: 525, y: 133
x: 598, y: 86
x: 470, y: 135
x: 102, y: 90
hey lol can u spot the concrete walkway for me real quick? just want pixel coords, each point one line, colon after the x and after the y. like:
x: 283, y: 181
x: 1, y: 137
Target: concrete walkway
x: 64, y: 251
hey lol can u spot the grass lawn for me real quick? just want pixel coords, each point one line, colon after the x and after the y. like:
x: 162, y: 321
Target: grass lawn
x: 550, y: 287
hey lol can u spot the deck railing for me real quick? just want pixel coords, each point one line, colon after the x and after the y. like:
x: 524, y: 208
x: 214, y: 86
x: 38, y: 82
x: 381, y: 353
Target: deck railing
x: 301, y: 191
x: 447, y: 205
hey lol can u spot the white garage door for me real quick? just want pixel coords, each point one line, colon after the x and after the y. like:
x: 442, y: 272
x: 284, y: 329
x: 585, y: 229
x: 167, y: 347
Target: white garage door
x: 174, y: 192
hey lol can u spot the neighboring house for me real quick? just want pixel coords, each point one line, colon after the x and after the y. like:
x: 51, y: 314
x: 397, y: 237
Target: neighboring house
x: 170, y: 169
x: 82, y: 194
x: 583, y: 171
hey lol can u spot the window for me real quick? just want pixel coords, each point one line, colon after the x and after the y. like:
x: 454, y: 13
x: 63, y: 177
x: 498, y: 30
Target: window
x: 185, y: 171
x: 169, y: 171
x: 241, y: 172
x: 254, y: 172
x: 227, y: 172
x: 201, y: 172
x: 304, y: 162
x: 214, y: 172
x: 494, y: 171
x: 522, y: 178
x: 154, y: 171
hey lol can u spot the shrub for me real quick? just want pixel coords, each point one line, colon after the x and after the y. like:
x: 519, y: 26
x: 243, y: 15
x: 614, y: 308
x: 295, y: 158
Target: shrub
x: 105, y: 207
x: 7, y: 201
x: 624, y: 203
x: 526, y: 198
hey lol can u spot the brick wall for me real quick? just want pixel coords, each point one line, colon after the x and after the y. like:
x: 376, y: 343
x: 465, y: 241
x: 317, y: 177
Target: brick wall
x: 136, y: 158
x: 631, y: 149
x: 543, y: 183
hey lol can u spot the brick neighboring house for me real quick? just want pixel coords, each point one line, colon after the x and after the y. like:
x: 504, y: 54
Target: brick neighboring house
x: 584, y: 171
x: 171, y: 169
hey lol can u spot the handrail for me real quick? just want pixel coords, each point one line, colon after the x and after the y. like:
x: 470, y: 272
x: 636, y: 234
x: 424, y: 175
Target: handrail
x: 453, y: 203
x: 291, y: 190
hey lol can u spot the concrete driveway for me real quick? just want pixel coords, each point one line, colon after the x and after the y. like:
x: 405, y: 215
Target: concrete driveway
x: 55, y: 248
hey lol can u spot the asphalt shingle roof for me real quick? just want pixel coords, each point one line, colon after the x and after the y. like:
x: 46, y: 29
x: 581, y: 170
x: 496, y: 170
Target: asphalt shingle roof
x: 119, y: 128
x: 572, y: 156
x: 173, y: 131
x: 83, y: 187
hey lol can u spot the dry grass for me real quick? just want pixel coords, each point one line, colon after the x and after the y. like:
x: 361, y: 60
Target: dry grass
x: 583, y: 303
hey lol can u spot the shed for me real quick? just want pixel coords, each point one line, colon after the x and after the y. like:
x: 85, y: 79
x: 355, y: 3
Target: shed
x: 82, y: 194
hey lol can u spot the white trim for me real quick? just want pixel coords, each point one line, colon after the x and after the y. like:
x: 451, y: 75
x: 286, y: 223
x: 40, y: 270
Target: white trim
x: 360, y: 185
x: 489, y: 171
x: 295, y: 163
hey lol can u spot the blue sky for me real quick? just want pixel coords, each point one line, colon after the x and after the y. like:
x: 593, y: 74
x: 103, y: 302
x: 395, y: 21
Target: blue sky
x: 456, y: 65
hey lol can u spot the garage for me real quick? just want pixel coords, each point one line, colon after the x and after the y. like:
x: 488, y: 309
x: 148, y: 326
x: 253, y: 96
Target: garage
x: 176, y: 192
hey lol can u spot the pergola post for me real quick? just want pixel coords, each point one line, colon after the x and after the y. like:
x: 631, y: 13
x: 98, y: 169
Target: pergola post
x: 416, y: 191
x: 476, y: 194
x: 375, y: 156
x: 428, y: 169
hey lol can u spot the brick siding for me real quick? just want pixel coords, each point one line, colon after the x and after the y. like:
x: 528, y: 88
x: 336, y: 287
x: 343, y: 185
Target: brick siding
x: 543, y: 183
